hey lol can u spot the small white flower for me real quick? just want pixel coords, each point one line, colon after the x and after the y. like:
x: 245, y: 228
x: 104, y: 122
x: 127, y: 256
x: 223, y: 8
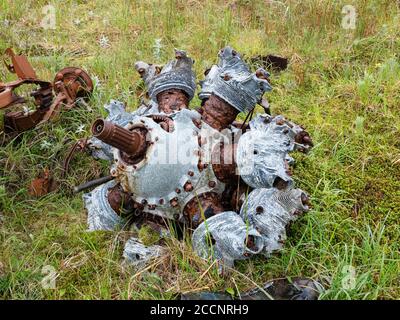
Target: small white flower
x: 77, y: 22
x: 26, y: 110
x: 91, y: 13
x: 96, y: 81
x: 6, y: 22
x: 80, y: 129
x: 45, y: 145
x: 104, y: 42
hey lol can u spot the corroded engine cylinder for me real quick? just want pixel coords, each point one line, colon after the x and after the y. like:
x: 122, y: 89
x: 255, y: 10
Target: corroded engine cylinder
x: 132, y: 142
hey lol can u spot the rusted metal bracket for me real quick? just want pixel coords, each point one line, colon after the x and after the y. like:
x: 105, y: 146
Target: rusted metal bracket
x: 69, y: 85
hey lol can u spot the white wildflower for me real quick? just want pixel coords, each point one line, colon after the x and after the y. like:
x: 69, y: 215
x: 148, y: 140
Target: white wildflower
x: 80, y: 129
x: 96, y: 81
x: 104, y: 42
x: 45, y: 145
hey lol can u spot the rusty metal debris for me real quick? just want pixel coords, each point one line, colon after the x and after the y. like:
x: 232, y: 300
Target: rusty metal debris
x: 69, y: 85
x: 42, y: 185
x: 270, y: 62
x: 229, y: 183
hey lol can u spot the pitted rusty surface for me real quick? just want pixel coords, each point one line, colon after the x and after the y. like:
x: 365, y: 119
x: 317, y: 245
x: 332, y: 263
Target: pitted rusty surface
x: 224, y: 162
x: 172, y: 100
x: 131, y: 142
x: 203, y: 206
x: 120, y: 201
x: 217, y: 113
x: 69, y: 85
x: 165, y: 122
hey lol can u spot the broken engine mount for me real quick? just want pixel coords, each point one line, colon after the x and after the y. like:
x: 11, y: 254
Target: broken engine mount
x: 69, y: 85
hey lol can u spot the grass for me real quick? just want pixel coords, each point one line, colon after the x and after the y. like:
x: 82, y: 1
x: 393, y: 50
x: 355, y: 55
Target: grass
x: 342, y: 85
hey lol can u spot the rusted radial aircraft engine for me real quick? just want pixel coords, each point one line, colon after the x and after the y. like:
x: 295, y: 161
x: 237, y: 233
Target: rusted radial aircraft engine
x: 228, y: 182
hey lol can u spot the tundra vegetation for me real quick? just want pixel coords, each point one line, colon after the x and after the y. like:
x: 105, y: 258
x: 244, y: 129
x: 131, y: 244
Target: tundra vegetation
x: 342, y: 84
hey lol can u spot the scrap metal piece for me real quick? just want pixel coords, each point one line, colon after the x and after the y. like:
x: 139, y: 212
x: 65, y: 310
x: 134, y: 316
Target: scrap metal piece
x: 176, y: 74
x: 92, y: 183
x: 262, y: 153
x: 285, y: 289
x: 232, y: 81
x: 279, y: 289
x: 42, y: 185
x: 269, y: 211
x: 205, y: 296
x: 227, y: 238
x: 101, y: 215
x: 139, y: 255
x: 70, y: 84
x: 270, y: 62
x: 20, y: 65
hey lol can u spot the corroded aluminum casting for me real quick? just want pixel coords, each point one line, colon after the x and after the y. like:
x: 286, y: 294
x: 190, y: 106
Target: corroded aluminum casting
x: 101, y: 215
x: 232, y: 81
x: 226, y: 237
x: 138, y: 255
x: 175, y: 75
x: 270, y: 211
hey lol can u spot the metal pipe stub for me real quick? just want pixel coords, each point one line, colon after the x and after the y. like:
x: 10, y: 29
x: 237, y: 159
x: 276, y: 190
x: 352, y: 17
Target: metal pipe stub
x: 131, y: 142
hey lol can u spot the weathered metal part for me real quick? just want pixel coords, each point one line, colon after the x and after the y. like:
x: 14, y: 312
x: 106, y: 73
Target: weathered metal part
x: 239, y: 194
x: 164, y: 121
x: 217, y: 113
x: 69, y: 85
x: 270, y: 62
x: 74, y: 83
x: 269, y: 211
x: 168, y: 177
x: 20, y: 65
x: 117, y: 115
x: 202, y: 207
x: 279, y: 289
x: 93, y: 183
x: 232, y: 81
x: 172, y: 100
x: 132, y: 142
x: 120, y: 201
x: 8, y: 98
x: 283, y: 289
x: 138, y: 255
x: 42, y: 185
x: 262, y: 154
x: 224, y: 162
x: 227, y: 238
x: 176, y: 74
x: 101, y: 215
x: 78, y: 146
